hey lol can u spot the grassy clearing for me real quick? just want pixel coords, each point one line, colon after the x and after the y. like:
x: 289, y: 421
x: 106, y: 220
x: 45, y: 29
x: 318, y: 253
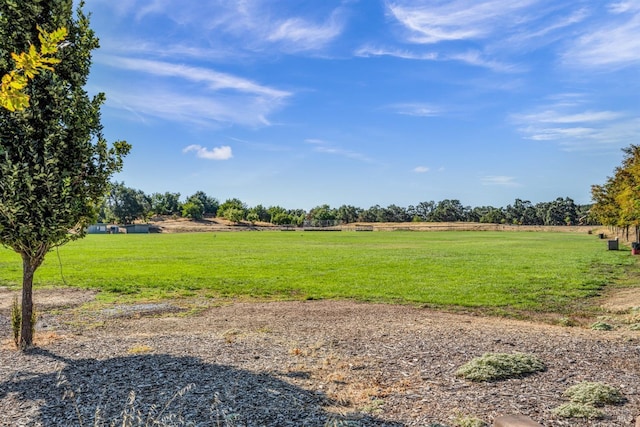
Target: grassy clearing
x: 544, y: 272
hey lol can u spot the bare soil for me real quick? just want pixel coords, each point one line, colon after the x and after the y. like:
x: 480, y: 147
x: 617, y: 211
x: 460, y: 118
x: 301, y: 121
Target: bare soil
x: 299, y: 363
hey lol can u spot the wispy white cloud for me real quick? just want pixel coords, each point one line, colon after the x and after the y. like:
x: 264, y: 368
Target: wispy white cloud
x: 612, y: 42
x: 369, y: 51
x: 416, y: 109
x: 182, y: 50
x: 624, y: 6
x: 478, y: 59
x: 255, y: 25
x: 190, y: 109
x: 547, y: 31
x: 470, y: 57
x: 321, y: 146
x: 499, y: 180
x: 483, y: 33
x: 421, y: 169
x: 433, y: 22
x: 217, y: 153
x: 574, y: 127
x: 298, y: 34
x: 214, y: 80
x: 217, y: 98
x: 551, y: 116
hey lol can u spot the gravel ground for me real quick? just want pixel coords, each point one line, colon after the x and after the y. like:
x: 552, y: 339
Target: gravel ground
x: 302, y: 364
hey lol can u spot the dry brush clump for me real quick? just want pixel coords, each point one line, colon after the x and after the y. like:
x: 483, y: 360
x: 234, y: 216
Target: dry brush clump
x: 601, y: 326
x: 585, y: 399
x: 500, y: 366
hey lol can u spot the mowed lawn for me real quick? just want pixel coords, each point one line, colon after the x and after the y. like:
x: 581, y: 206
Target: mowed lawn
x: 519, y: 270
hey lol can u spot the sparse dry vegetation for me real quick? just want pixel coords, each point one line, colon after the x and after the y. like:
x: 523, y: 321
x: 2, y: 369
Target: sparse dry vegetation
x: 500, y: 366
x: 586, y: 398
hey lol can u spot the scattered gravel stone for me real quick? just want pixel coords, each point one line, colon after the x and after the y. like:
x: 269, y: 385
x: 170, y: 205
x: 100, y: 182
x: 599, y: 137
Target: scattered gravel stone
x: 306, y: 364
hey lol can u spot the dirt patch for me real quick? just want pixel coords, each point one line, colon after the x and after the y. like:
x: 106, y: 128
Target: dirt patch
x: 305, y: 363
x: 149, y: 309
x: 47, y: 298
x: 622, y: 300
x: 166, y: 224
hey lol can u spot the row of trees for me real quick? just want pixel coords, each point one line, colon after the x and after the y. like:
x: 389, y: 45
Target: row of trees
x: 617, y: 201
x: 125, y: 205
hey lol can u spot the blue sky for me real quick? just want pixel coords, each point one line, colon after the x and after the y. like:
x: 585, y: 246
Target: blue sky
x: 301, y: 103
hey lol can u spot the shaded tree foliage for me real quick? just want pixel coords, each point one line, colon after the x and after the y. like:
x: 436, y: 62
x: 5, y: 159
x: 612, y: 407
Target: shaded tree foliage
x: 233, y: 209
x: 126, y: 205
x: 210, y: 205
x: 166, y: 203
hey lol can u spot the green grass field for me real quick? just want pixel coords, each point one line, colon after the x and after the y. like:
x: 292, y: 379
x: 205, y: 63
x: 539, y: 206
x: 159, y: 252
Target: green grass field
x: 522, y: 271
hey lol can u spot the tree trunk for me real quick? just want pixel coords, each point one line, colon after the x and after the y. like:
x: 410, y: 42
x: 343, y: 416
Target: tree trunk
x: 26, y: 331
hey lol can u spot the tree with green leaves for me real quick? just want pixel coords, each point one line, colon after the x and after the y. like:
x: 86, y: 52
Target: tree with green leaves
x: 127, y: 204
x: 617, y: 202
x: 55, y: 164
x: 210, y: 204
x: 230, y: 208
x: 193, y: 208
x: 166, y: 203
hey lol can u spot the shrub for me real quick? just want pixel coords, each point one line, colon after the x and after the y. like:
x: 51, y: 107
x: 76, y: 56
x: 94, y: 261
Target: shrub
x: 594, y: 393
x: 193, y: 210
x: 500, y: 366
x: 470, y: 422
x: 584, y: 398
x: 601, y: 326
x: 577, y: 410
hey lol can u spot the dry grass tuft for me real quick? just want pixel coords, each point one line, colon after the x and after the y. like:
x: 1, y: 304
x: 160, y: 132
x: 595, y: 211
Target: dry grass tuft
x: 577, y: 410
x: 585, y: 398
x: 500, y: 366
x: 594, y: 393
x: 140, y: 349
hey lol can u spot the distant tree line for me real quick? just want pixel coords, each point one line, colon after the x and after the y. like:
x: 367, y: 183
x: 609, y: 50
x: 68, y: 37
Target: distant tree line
x: 125, y: 205
x: 617, y: 201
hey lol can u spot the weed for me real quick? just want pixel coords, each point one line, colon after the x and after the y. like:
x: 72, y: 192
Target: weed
x: 594, y: 393
x: 131, y: 415
x: 374, y: 407
x: 633, y: 317
x: 500, y: 366
x: 470, y: 422
x: 601, y: 326
x: 222, y: 417
x: 335, y: 422
x: 566, y: 321
x: 577, y: 410
x: 296, y: 352
x: 16, y: 321
x: 585, y: 397
x: 140, y: 349
x: 635, y: 327
x: 230, y: 335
